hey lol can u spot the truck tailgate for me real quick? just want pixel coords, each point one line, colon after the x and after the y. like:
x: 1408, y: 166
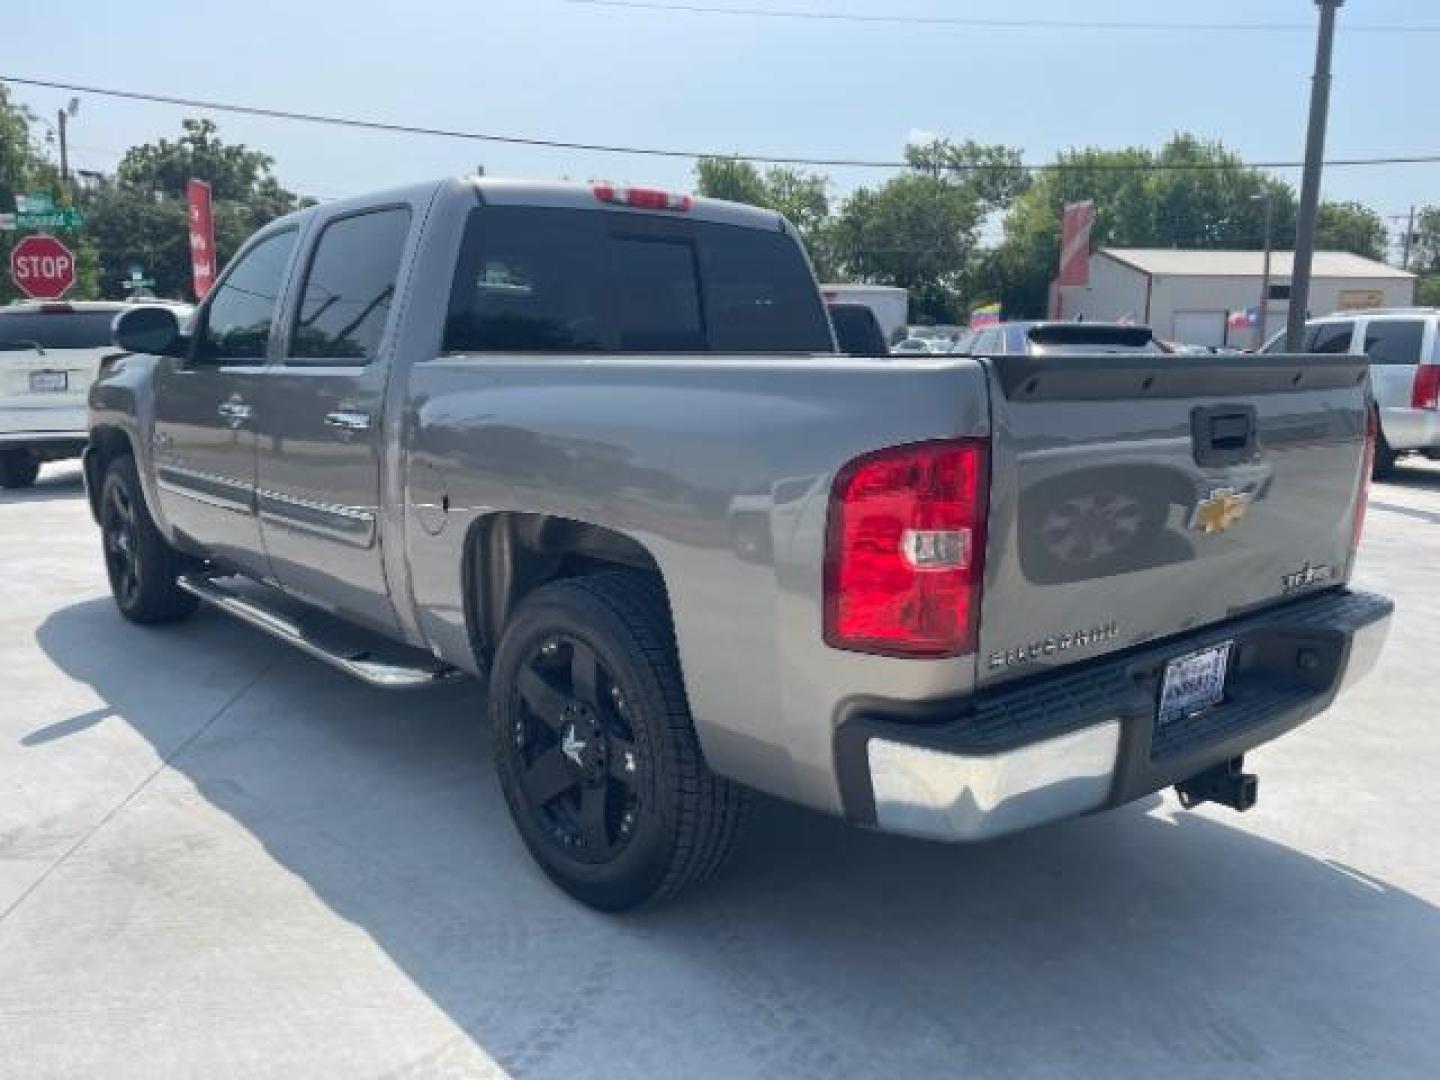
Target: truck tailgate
x: 1136, y: 497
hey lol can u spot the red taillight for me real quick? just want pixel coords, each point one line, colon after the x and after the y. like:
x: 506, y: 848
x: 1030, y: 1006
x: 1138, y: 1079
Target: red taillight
x: 905, y: 550
x: 643, y: 198
x: 1367, y: 465
x: 1426, y: 394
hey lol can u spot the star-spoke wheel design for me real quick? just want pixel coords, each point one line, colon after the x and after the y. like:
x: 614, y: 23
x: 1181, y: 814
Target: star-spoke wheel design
x: 578, y: 765
x: 121, y: 538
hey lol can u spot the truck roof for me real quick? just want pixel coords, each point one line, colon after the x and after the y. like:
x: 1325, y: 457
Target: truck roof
x: 502, y: 191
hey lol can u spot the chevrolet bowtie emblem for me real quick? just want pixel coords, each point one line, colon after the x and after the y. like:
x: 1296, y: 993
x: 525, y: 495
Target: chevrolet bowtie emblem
x: 1219, y: 510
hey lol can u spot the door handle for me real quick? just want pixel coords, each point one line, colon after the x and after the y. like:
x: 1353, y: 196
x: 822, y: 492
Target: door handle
x: 234, y: 411
x: 348, y: 421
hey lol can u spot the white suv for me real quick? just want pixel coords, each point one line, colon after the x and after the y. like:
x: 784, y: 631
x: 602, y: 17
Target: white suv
x: 1404, y: 349
x: 49, y: 355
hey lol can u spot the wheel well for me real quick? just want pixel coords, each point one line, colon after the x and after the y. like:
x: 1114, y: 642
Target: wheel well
x: 106, y: 444
x: 509, y: 555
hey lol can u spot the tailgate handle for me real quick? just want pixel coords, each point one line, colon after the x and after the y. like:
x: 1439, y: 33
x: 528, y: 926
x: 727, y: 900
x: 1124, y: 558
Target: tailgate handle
x: 1224, y: 434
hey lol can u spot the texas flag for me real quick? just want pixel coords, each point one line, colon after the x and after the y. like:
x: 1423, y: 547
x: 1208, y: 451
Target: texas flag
x: 1240, y: 320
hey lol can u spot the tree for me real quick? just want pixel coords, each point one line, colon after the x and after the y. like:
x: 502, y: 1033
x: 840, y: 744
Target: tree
x: 917, y: 231
x: 992, y: 175
x: 1353, y: 227
x: 25, y: 169
x: 140, y: 221
x: 1425, y: 242
x: 800, y: 196
x: 1192, y: 194
x: 1427, y: 292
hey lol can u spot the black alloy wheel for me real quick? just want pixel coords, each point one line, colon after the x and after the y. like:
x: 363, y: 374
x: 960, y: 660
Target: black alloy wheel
x: 579, y: 766
x: 121, y: 536
x: 595, y: 746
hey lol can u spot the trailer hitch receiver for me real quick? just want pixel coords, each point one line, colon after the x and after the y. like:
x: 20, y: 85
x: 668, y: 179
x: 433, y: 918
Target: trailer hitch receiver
x: 1227, y: 784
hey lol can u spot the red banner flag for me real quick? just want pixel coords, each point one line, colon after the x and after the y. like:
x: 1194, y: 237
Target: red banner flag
x: 1075, y: 244
x: 202, y: 237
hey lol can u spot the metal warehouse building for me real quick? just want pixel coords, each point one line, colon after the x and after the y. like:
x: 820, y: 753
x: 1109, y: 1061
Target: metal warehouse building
x: 1188, y: 296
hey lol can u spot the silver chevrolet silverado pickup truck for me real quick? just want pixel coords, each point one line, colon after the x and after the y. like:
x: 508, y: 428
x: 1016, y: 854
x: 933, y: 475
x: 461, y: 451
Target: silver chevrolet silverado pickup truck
x: 595, y: 445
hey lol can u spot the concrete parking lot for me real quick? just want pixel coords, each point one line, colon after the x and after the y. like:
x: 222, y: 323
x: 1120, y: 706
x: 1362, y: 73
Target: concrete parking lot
x: 220, y: 858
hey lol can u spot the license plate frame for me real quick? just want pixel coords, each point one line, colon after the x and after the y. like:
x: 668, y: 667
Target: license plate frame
x: 1193, y: 683
x: 49, y: 382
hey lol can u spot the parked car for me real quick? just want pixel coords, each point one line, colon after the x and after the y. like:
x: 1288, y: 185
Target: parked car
x: 912, y: 347
x: 1060, y: 338
x: 857, y: 330
x: 1403, y: 347
x: 596, y: 446
x: 49, y: 355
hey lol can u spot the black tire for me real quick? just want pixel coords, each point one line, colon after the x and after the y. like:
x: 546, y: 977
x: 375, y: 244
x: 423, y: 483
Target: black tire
x: 1385, y: 459
x: 141, y: 566
x: 18, y: 468
x: 587, y: 709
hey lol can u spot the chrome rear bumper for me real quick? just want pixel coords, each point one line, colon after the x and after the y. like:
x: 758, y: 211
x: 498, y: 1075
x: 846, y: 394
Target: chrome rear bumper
x: 1084, y: 738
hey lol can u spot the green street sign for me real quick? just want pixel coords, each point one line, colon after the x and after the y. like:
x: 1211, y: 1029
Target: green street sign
x: 36, y: 202
x: 46, y: 220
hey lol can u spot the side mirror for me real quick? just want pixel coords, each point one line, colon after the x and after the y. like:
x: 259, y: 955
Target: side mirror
x: 153, y: 330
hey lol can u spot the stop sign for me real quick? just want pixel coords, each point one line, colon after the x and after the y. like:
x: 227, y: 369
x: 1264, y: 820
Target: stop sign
x: 42, y: 267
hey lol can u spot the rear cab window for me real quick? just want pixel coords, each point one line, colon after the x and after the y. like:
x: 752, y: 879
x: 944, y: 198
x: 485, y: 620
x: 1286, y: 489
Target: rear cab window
x: 55, y: 329
x: 1089, y: 339
x: 540, y: 279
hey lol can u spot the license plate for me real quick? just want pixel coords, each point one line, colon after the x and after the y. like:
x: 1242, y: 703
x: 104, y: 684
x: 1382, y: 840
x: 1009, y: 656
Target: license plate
x: 49, y: 382
x: 1193, y: 683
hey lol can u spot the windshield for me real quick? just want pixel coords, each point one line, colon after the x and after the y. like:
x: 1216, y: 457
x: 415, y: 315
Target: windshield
x: 56, y: 329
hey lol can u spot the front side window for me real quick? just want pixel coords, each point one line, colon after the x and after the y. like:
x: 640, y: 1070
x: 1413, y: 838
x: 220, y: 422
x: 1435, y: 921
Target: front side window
x: 1327, y: 337
x: 349, y: 289
x: 1394, y: 341
x: 536, y: 279
x: 238, y: 319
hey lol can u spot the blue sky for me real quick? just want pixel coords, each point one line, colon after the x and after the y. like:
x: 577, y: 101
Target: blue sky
x: 552, y: 69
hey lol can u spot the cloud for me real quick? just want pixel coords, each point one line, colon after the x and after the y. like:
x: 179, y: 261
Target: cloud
x: 921, y: 137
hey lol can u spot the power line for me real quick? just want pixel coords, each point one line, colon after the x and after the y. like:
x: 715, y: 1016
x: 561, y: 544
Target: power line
x: 977, y: 22
x: 653, y: 151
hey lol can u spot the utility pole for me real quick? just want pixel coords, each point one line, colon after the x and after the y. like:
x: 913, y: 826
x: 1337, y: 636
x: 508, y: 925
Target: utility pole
x: 1264, y: 309
x: 1409, y: 235
x: 1310, y: 185
x: 64, y: 151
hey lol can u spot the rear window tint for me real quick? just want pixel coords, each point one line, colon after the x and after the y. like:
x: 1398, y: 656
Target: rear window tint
x: 1081, y: 339
x: 534, y: 279
x: 1327, y: 338
x: 1394, y: 341
x: 57, y: 329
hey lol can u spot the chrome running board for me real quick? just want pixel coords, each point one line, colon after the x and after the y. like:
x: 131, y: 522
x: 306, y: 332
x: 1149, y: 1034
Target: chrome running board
x: 388, y: 666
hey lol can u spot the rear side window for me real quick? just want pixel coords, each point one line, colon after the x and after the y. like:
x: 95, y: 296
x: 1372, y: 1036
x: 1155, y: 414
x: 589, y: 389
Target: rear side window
x: 1327, y: 338
x: 534, y: 279
x: 349, y: 289
x: 1394, y: 341
x: 56, y: 329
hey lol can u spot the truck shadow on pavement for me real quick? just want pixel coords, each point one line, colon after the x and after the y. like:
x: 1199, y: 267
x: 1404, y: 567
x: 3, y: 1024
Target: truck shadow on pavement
x: 1120, y: 945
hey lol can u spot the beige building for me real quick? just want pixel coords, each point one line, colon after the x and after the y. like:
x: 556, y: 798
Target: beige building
x: 1188, y: 296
